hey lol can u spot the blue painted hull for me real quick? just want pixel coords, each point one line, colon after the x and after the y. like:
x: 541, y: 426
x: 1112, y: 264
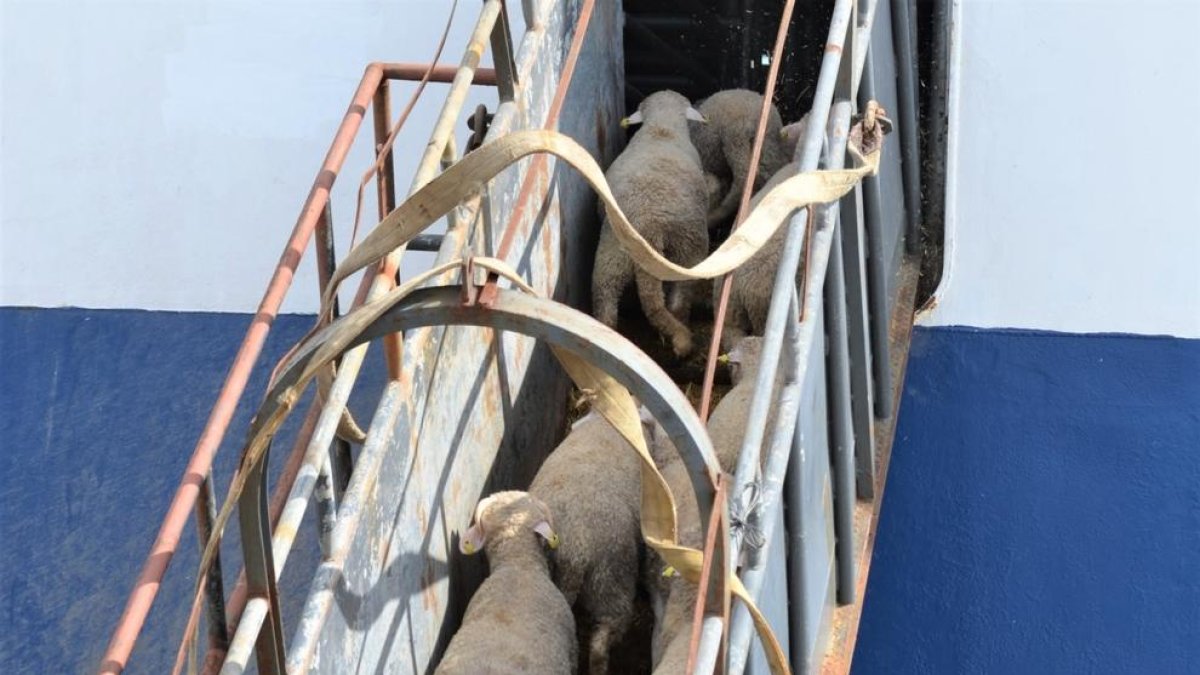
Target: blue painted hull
x: 78, y: 432
x: 1042, y: 509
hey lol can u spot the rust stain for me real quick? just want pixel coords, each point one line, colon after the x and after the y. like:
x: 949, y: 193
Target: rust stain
x: 831, y: 48
x: 429, y: 598
x: 422, y: 519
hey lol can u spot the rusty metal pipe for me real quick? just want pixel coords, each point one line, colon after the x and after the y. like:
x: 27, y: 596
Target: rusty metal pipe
x: 149, y: 579
x: 444, y: 74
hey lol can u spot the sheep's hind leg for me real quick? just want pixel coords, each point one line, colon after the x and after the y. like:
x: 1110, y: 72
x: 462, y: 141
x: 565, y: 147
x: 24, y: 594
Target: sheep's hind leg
x: 613, y: 272
x: 650, y: 292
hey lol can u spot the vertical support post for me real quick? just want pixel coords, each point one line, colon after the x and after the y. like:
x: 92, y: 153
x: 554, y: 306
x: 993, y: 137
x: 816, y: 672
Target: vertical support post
x: 904, y: 40
x: 854, y: 266
x: 877, y: 300
x: 837, y: 374
x: 214, y: 587
x: 341, y: 460
x: 385, y: 182
x: 799, y: 542
x: 253, y: 519
x: 503, y: 57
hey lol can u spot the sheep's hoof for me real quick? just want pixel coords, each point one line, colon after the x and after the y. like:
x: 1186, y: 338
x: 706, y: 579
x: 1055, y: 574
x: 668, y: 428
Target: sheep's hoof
x: 682, y: 344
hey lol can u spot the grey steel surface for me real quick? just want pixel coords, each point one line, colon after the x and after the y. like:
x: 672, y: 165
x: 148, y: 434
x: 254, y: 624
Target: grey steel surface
x: 457, y: 426
x: 853, y: 246
x: 837, y: 364
x: 877, y: 276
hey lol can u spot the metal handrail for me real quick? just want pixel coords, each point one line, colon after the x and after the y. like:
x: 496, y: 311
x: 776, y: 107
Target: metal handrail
x: 783, y: 319
x: 158, y: 560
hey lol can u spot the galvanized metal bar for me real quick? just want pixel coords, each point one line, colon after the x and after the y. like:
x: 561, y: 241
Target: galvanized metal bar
x: 808, y: 155
x: 315, y: 457
x: 252, y: 620
x: 708, y: 656
x: 904, y: 41
x: 342, y: 459
x: 253, y: 520
x: 802, y: 620
x: 214, y: 585
x: 570, y: 329
x: 837, y: 373
x: 321, y: 597
x: 502, y: 57
x: 852, y: 236
x: 530, y: 13
x: 443, y: 128
x: 877, y: 303
x: 786, y: 441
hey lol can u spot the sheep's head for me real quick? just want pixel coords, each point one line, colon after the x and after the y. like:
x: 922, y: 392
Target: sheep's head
x: 505, y: 514
x: 663, y: 105
x: 744, y: 357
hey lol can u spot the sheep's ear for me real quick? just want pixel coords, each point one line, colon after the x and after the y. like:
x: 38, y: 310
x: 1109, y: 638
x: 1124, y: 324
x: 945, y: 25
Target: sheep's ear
x: 695, y: 116
x: 472, y: 541
x: 543, y: 528
x: 635, y: 118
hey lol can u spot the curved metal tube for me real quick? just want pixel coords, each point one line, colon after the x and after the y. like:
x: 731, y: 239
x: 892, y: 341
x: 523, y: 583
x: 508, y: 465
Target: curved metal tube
x: 570, y: 329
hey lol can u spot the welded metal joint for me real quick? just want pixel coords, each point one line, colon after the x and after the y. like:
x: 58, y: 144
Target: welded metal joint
x: 745, y: 520
x: 469, y: 292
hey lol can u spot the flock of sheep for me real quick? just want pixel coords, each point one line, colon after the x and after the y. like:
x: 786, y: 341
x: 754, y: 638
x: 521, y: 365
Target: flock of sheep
x: 568, y: 565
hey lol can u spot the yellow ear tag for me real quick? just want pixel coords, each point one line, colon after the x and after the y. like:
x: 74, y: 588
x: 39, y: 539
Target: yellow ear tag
x: 669, y: 571
x: 554, y: 541
x: 468, y: 548
x: 723, y: 359
x: 624, y: 122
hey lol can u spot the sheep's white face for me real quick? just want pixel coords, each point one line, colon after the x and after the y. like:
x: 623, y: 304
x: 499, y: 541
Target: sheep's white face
x: 504, y: 513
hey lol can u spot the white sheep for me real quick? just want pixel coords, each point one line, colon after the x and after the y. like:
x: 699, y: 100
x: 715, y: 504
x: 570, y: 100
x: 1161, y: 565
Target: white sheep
x: 725, y: 143
x: 659, y: 184
x: 754, y: 281
x: 592, y: 484
x: 518, y: 621
x: 727, y: 422
x: 673, y: 597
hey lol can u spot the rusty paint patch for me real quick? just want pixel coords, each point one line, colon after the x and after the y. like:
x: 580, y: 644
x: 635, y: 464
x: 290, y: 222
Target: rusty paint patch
x: 831, y: 48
